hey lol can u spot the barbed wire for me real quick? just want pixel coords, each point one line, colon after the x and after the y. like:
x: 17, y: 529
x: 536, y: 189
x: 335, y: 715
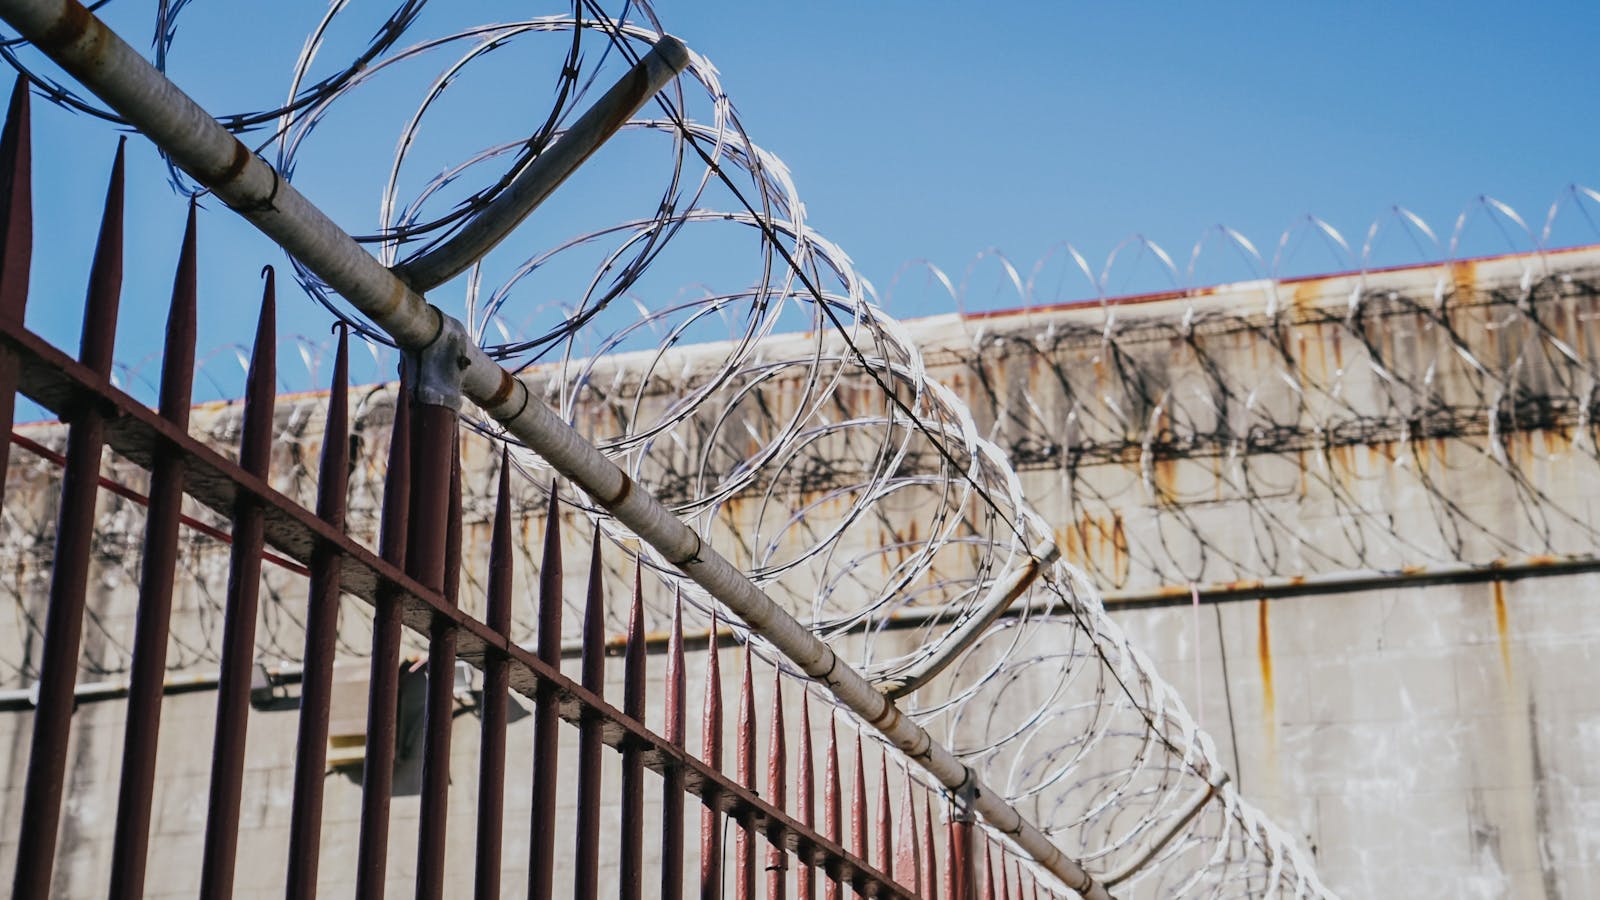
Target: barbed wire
x: 809, y: 437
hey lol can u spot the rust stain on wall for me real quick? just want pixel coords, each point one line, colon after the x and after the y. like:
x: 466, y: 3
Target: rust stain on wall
x: 1264, y: 657
x: 1500, y: 625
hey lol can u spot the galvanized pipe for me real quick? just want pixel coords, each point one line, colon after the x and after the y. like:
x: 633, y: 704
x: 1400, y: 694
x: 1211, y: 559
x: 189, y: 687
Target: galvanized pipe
x: 1000, y: 598
x: 82, y: 45
x: 549, y: 169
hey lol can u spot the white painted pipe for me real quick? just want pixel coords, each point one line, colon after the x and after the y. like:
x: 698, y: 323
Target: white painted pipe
x: 81, y: 44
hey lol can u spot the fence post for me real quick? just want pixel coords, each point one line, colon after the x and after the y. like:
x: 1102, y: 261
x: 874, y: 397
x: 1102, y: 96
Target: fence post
x: 239, y: 625
x: 130, y: 847
x: 69, y: 576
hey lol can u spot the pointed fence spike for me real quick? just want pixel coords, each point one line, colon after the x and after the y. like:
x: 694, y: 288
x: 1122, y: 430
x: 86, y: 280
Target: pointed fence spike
x: 16, y: 203
x: 542, y: 851
x: 711, y: 754
x: 586, y: 880
x: 908, y: 857
x: 777, y: 788
x: 858, y: 805
x: 383, y: 686
x: 495, y: 704
x: 805, y: 877
x: 744, y: 842
x: 631, y: 855
x: 239, y: 623
x: 833, y: 813
x: 931, y: 874
x: 69, y: 575
x: 884, y: 860
x: 672, y: 779
x: 130, y: 847
x: 105, y: 276
x: 988, y: 869
x: 16, y: 244
x: 322, y: 625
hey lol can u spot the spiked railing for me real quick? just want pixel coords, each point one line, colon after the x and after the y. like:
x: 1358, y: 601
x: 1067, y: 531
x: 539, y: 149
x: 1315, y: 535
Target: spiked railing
x: 450, y: 367
x: 411, y: 583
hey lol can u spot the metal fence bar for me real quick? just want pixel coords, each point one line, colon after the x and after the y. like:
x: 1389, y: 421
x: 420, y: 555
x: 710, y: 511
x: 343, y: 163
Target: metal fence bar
x: 805, y: 878
x: 673, y: 780
x: 832, y: 813
x: 777, y: 788
x: 495, y: 703
x: 630, y: 861
x: 69, y: 577
x: 322, y: 625
x: 908, y: 856
x: 239, y: 623
x: 383, y: 688
x: 542, y: 838
x: 85, y: 47
x: 146, y: 683
x: 858, y: 804
x: 744, y: 839
x: 16, y: 244
x: 711, y: 753
x: 433, y: 558
x: 586, y: 883
x: 884, y: 860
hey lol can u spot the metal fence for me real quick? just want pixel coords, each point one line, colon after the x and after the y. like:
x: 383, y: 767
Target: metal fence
x: 871, y: 844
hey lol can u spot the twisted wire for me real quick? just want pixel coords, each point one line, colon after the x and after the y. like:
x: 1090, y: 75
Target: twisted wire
x: 808, y: 435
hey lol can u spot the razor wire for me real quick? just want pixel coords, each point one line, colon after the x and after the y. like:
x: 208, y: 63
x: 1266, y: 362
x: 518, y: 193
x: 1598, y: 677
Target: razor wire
x: 812, y: 442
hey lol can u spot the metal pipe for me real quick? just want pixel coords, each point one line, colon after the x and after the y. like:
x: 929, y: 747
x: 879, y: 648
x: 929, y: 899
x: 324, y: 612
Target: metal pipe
x: 1004, y: 593
x: 548, y: 170
x: 1190, y: 810
x: 82, y: 45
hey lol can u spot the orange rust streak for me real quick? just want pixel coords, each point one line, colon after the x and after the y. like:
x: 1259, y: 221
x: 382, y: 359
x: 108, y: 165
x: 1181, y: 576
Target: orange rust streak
x: 1264, y: 656
x: 1501, y: 626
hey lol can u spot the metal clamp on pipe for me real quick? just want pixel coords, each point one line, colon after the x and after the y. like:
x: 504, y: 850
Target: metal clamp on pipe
x: 437, y: 371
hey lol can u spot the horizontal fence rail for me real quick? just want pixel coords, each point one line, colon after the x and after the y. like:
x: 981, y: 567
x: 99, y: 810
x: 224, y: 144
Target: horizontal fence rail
x: 878, y: 836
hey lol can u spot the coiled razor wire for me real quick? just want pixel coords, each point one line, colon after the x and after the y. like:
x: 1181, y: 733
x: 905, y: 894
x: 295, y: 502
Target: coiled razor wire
x: 806, y: 436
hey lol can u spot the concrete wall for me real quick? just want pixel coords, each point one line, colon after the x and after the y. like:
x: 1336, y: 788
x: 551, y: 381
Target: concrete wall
x: 1425, y: 736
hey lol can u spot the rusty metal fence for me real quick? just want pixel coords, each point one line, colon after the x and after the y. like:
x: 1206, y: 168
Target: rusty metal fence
x: 869, y: 843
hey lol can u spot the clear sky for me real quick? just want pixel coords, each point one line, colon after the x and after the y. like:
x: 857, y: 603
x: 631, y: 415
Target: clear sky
x: 937, y: 130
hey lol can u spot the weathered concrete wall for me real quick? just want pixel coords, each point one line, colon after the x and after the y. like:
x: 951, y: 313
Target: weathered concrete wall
x: 1426, y: 741
x: 1427, y: 736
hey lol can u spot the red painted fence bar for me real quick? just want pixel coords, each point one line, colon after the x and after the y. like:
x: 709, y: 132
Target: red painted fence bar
x: 383, y: 689
x: 63, y: 630
x: 130, y: 846
x: 495, y: 703
x: 322, y: 625
x: 412, y: 582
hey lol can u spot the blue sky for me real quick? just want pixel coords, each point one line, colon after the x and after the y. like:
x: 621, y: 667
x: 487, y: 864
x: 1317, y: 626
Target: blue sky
x: 938, y: 130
